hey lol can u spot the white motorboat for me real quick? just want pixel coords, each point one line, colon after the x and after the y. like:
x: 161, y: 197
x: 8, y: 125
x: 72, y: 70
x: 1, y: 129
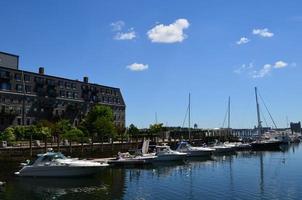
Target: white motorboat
x: 141, y: 157
x: 53, y: 164
x: 237, y: 145
x: 222, y: 148
x: 165, y: 153
x: 128, y: 159
x: 185, y: 147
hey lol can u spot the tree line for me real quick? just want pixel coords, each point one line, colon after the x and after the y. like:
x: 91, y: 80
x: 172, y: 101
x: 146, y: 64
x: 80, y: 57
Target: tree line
x: 96, y: 126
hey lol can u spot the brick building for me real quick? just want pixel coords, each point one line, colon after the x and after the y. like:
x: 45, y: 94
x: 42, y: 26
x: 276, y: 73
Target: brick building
x: 27, y: 97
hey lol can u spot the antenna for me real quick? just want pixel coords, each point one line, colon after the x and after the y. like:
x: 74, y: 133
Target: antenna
x: 155, y: 117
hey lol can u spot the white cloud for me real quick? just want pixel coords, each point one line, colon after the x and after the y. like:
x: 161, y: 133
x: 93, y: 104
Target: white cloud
x: 243, y: 40
x: 137, y: 67
x: 280, y: 64
x: 263, y: 32
x: 118, y: 25
x: 244, y: 67
x: 169, y: 33
x: 125, y: 36
x: 265, y: 70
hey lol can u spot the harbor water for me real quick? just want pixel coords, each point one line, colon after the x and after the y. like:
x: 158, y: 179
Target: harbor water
x: 242, y: 175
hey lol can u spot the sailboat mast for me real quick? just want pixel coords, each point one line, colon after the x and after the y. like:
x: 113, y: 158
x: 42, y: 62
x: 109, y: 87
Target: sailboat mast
x: 229, y: 113
x: 189, y: 116
x: 258, y: 113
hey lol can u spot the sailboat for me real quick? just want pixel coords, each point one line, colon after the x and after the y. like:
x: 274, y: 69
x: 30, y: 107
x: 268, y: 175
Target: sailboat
x: 191, y: 151
x: 262, y: 142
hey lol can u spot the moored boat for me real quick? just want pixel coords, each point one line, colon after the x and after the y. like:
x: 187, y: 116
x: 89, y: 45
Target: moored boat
x: 185, y: 147
x: 271, y: 144
x: 53, y: 164
x: 128, y: 159
x: 164, y: 153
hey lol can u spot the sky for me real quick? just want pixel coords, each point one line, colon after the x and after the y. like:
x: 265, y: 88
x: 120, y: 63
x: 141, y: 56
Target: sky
x: 157, y: 52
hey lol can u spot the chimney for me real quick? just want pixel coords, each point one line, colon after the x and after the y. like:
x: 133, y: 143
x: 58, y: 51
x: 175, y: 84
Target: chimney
x: 41, y: 70
x: 85, y: 79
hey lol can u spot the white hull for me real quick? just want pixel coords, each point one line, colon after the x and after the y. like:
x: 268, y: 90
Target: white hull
x: 133, y: 161
x: 58, y: 171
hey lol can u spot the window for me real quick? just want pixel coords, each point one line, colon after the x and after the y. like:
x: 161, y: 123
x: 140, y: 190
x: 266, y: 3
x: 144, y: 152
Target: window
x: 69, y: 94
x: 4, y: 74
x: 39, y: 79
x: 18, y: 77
x: 5, y: 86
x: 27, y: 88
x: 50, y: 82
x: 26, y: 78
x: 27, y: 121
x: 67, y: 85
x: 75, y: 95
x: 62, y: 93
x: 19, y: 88
x: 61, y: 84
x: 73, y: 86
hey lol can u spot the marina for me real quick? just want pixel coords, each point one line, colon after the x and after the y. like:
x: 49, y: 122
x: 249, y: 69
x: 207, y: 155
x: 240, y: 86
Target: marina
x: 150, y: 100
x: 243, y: 175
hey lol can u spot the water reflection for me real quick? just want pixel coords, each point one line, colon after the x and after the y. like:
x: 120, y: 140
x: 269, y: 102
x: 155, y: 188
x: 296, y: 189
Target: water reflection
x: 243, y: 175
x: 109, y: 184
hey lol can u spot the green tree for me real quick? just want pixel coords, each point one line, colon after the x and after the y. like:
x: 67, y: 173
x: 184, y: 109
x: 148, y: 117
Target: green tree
x: 9, y: 135
x: 45, y: 129
x: 133, y: 131
x: 30, y: 131
x: 74, y: 134
x: 155, y: 129
x: 44, y: 133
x: 61, y: 128
x: 20, y: 132
x: 99, y: 122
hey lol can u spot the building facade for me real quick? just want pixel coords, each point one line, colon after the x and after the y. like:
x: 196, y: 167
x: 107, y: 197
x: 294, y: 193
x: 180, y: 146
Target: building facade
x: 27, y: 97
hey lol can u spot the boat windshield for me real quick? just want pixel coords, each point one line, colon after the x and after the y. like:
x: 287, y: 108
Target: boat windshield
x: 33, y: 160
x: 51, y: 157
x: 184, y: 145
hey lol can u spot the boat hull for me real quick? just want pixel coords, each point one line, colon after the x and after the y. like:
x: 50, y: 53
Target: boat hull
x: 225, y: 150
x: 198, y: 153
x: 170, y: 157
x: 259, y: 146
x: 58, y: 171
x: 132, y: 161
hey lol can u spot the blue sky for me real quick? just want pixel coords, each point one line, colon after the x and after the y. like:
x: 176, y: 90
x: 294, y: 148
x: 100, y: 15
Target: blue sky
x: 159, y: 51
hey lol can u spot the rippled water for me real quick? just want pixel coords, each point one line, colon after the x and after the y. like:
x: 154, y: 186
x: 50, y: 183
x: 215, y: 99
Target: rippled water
x: 245, y: 175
